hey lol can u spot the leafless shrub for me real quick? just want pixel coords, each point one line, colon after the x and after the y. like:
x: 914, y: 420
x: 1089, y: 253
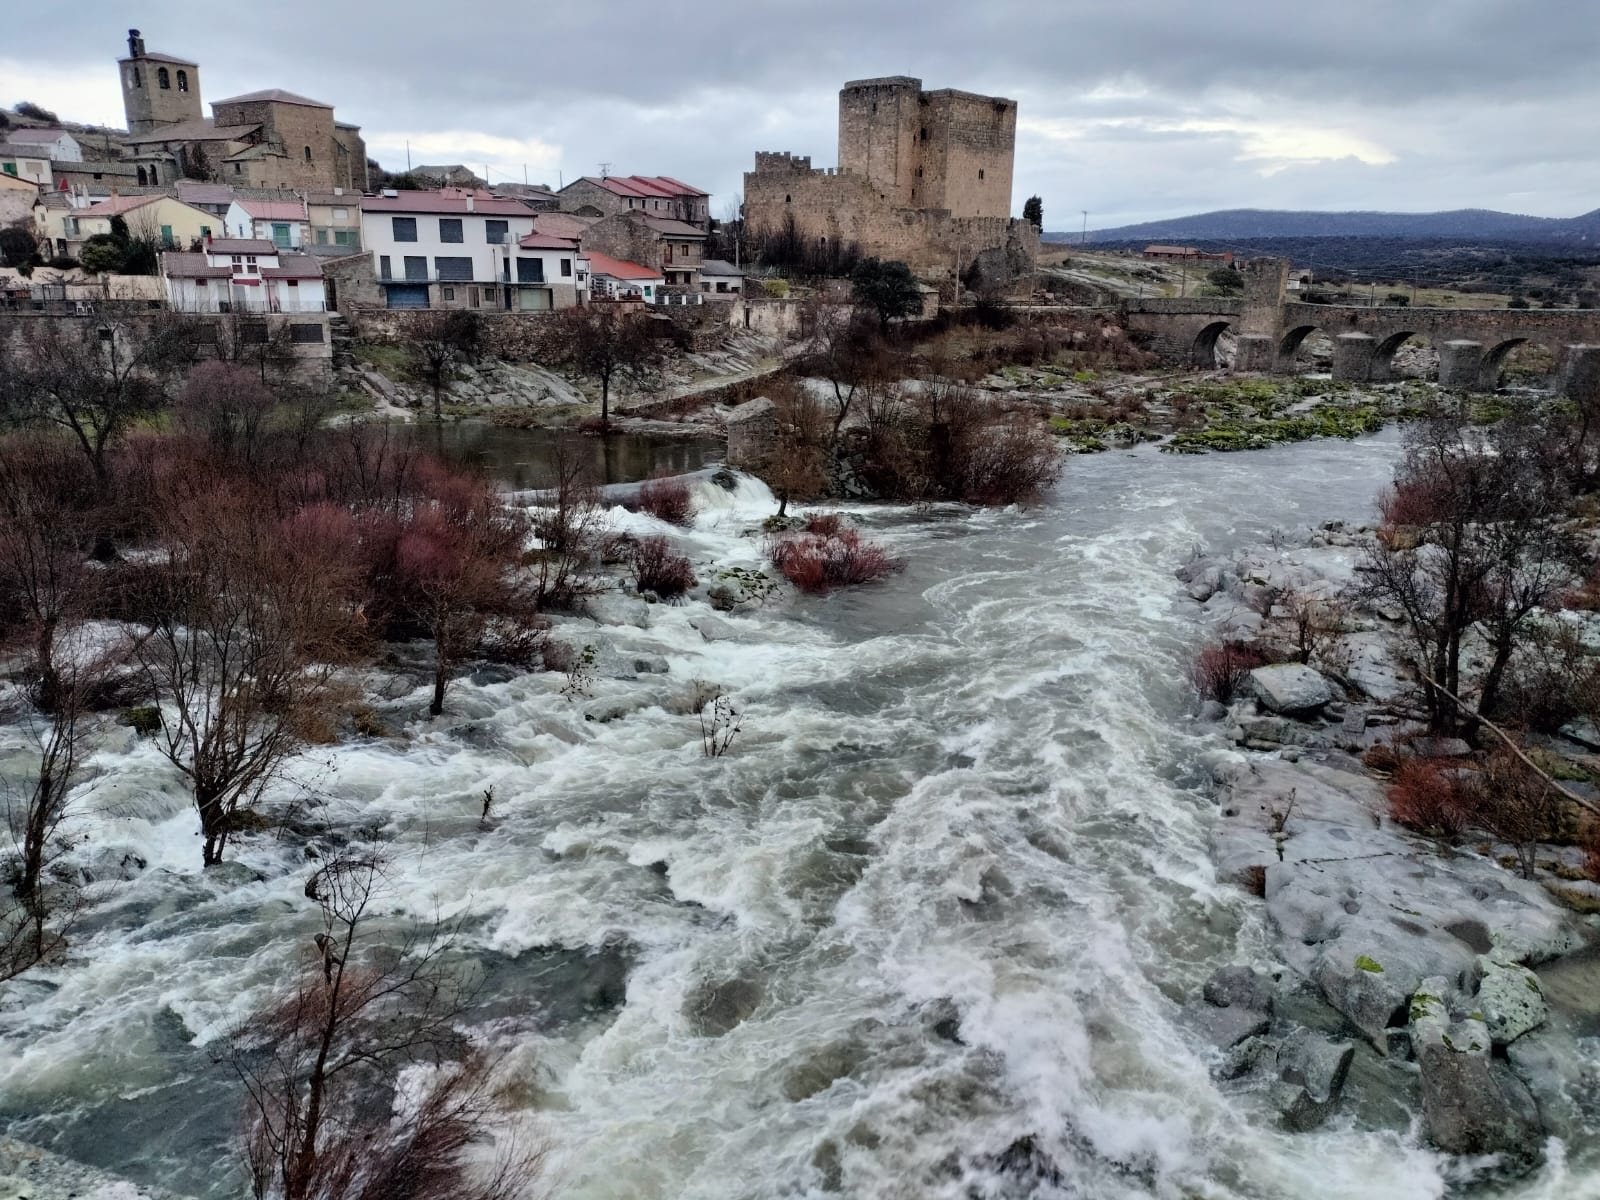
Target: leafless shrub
x: 337, y: 1037
x: 720, y: 723
x: 667, y: 500
x: 658, y: 568
x: 1220, y: 670
x: 1517, y: 805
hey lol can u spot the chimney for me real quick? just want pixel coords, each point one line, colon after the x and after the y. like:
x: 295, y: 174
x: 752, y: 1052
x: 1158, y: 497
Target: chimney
x: 135, y: 44
x: 471, y: 203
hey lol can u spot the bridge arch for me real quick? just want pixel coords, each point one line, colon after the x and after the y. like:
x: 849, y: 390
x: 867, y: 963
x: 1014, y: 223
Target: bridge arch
x: 1289, y: 346
x: 1494, y: 358
x: 1203, y: 353
x: 1383, y: 353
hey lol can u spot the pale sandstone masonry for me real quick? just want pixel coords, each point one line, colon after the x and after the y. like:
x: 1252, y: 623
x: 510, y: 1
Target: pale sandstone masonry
x: 923, y: 177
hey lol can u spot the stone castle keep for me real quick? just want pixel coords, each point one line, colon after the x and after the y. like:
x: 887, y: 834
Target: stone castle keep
x: 923, y: 177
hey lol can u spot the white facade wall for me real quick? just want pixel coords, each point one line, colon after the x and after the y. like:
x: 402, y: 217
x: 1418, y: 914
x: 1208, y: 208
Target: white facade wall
x: 377, y: 235
x: 63, y: 148
x: 242, y: 225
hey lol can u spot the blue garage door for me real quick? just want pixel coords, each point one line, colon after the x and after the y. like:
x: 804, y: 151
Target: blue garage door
x: 415, y: 296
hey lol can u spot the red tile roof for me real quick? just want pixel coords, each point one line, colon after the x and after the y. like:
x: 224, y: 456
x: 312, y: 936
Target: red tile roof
x: 191, y: 266
x: 294, y: 266
x: 274, y: 210
x: 618, y: 268
x: 545, y: 241
x: 241, y: 246
x: 656, y: 187
x: 115, y: 206
x: 446, y: 200
x: 562, y: 225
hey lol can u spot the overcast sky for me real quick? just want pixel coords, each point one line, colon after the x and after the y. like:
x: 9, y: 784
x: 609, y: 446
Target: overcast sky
x: 1131, y: 109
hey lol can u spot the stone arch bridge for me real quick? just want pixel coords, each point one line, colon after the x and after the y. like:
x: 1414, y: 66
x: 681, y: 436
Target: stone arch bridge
x: 1268, y: 328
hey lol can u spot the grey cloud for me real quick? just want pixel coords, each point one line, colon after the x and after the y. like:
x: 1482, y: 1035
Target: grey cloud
x: 1481, y: 102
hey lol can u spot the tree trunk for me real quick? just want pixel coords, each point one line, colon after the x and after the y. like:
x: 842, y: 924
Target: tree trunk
x: 44, y: 659
x: 605, y: 402
x: 441, y: 677
x: 213, y: 826
x: 438, y: 412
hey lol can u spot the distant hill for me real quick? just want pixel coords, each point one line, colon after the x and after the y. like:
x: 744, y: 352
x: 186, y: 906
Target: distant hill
x: 1465, y: 224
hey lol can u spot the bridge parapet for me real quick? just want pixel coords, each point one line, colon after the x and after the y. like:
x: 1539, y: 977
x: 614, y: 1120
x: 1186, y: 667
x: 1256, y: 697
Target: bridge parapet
x: 1220, y: 306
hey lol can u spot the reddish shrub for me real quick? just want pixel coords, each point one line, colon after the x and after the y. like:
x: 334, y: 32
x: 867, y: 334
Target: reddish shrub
x: 823, y: 524
x: 658, y: 568
x: 1219, y: 670
x: 1426, y: 795
x: 1381, y: 758
x: 667, y: 500
x: 816, y: 562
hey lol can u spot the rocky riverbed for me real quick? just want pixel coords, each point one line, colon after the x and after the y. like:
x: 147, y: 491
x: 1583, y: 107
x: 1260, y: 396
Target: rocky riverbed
x: 1459, y: 994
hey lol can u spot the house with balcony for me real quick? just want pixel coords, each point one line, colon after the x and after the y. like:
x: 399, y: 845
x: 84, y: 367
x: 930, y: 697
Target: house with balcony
x: 282, y: 222
x: 243, y: 275
x: 463, y: 248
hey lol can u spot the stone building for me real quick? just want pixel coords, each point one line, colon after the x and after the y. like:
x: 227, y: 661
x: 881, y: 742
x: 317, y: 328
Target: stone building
x: 652, y: 195
x: 271, y: 138
x: 923, y: 177
x: 673, y: 248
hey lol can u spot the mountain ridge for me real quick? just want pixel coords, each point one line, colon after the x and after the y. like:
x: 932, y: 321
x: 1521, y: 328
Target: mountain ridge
x: 1476, y: 224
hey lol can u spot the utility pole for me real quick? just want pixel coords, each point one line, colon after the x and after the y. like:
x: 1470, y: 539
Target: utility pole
x: 605, y: 170
x: 1084, y: 240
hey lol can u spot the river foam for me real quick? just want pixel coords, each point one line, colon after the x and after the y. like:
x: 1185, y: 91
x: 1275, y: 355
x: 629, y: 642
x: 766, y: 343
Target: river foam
x: 925, y: 932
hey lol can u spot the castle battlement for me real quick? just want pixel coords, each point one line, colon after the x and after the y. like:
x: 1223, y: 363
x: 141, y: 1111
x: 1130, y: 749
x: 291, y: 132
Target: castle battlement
x: 924, y: 177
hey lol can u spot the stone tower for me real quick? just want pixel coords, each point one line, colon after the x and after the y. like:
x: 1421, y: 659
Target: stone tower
x: 157, y: 89
x: 878, y: 124
x: 946, y: 150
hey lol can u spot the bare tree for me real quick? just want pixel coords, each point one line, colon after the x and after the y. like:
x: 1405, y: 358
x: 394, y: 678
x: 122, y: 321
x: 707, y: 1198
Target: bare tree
x: 335, y: 1039
x: 45, y: 504
x: 845, y: 350
x: 248, y: 625
x: 569, y: 529
x: 455, y: 562
x: 37, y: 922
x: 439, y: 341
x: 1471, y: 534
x: 796, y: 465
x: 95, y: 378
x: 604, y: 342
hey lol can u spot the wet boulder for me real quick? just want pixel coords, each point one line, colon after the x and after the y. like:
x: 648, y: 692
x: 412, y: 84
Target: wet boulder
x: 1237, y: 986
x: 1472, y: 1103
x: 1290, y: 688
x: 1311, y: 1073
x: 1510, y: 999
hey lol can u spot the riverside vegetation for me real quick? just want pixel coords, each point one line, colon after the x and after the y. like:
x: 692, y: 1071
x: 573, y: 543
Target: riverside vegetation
x: 184, y: 554
x: 1420, y: 700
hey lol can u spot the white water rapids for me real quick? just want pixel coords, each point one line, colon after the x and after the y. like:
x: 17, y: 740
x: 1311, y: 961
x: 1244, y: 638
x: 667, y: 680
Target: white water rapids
x: 947, y: 892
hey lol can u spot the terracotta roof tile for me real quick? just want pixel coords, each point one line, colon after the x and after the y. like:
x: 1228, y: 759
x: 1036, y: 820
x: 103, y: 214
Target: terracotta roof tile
x: 618, y: 268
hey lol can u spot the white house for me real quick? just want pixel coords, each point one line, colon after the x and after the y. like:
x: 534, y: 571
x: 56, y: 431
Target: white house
x: 720, y: 280
x: 50, y: 144
x: 618, y: 279
x: 19, y: 162
x: 549, y: 272
x: 281, y: 222
x: 243, y: 275
x: 443, y: 248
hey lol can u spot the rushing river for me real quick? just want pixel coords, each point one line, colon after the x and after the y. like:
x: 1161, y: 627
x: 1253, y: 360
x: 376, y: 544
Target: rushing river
x: 947, y: 892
